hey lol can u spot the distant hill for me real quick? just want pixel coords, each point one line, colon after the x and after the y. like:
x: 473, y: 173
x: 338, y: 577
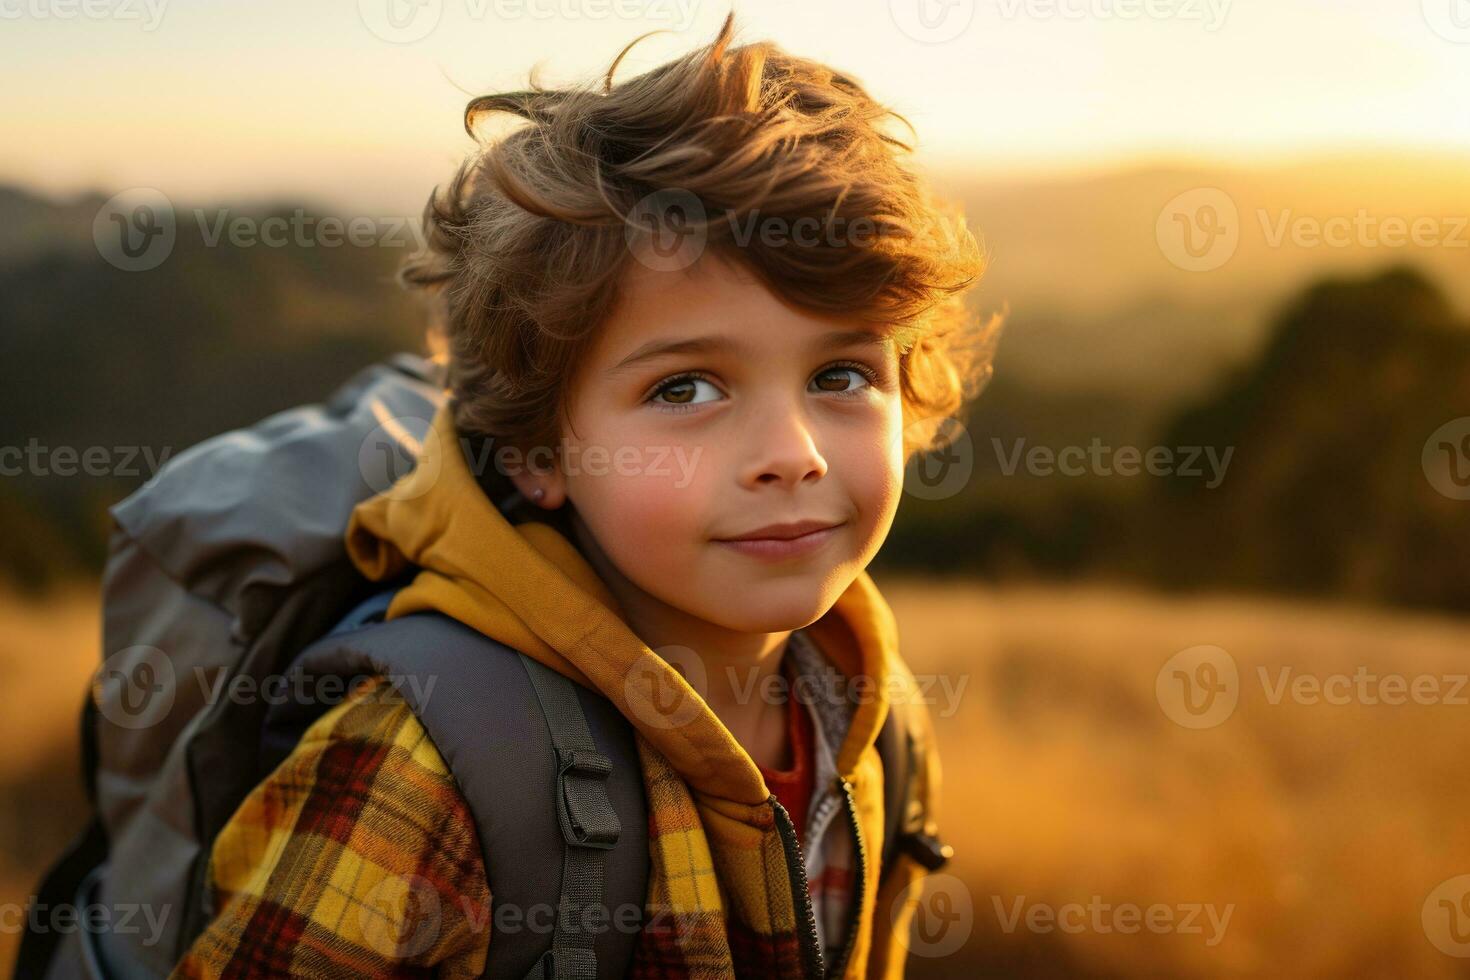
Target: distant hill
x: 31, y: 224
x: 213, y: 338
x: 1098, y: 305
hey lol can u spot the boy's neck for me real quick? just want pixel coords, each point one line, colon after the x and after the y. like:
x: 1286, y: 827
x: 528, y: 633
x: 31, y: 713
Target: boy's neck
x: 744, y: 697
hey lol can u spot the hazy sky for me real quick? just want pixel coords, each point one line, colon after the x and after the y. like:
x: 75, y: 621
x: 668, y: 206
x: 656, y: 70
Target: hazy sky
x: 358, y: 102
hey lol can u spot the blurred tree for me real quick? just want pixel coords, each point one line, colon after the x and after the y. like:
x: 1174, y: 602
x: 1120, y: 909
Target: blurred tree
x: 1326, y: 492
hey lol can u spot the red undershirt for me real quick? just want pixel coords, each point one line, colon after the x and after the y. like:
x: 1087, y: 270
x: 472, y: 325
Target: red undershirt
x: 793, y: 787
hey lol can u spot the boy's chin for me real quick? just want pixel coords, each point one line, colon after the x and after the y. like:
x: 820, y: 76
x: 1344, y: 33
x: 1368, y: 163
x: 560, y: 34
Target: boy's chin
x: 775, y: 608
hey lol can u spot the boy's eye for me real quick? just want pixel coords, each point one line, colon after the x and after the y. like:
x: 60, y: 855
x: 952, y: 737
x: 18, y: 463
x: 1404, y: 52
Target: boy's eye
x: 685, y: 391
x: 841, y: 380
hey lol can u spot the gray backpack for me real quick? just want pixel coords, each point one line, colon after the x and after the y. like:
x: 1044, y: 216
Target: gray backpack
x: 228, y: 571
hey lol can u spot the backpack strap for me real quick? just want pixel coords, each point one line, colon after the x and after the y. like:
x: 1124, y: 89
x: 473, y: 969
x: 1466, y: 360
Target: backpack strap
x: 589, y: 825
x: 906, y: 825
x: 523, y: 743
x: 893, y: 749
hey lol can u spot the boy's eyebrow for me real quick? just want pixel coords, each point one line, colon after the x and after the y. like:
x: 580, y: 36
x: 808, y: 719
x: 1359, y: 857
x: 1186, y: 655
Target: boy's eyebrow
x: 712, y: 343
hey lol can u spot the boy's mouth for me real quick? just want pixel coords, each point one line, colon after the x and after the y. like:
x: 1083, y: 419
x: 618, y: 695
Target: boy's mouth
x: 783, y: 540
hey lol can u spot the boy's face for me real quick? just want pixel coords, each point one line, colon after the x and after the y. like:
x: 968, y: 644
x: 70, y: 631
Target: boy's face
x: 773, y: 421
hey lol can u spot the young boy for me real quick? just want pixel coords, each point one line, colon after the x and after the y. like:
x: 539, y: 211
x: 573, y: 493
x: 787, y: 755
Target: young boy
x: 705, y: 315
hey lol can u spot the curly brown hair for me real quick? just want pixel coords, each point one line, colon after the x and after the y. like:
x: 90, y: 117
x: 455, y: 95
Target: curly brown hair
x: 526, y: 247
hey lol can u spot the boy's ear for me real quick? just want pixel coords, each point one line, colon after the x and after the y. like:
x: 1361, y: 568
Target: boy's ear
x: 536, y: 475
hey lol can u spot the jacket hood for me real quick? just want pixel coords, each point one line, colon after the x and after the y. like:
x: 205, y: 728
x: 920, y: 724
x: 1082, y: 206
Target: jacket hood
x: 527, y: 586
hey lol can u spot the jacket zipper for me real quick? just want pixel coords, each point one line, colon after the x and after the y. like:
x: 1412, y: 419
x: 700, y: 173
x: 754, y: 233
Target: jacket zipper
x: 811, y: 948
x: 796, y: 869
x: 860, y: 883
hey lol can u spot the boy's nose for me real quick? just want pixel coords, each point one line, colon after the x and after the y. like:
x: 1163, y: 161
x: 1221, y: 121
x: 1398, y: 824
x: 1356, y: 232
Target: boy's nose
x: 783, y: 450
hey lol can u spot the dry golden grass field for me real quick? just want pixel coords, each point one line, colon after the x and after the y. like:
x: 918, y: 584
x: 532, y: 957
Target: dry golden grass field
x: 1094, y: 836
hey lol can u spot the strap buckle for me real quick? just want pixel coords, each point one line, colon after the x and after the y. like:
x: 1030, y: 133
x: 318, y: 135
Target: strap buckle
x: 926, y: 848
x: 587, y: 815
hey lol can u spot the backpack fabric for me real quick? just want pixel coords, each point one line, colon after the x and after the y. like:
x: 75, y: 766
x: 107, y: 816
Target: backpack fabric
x: 229, y: 568
x: 220, y: 568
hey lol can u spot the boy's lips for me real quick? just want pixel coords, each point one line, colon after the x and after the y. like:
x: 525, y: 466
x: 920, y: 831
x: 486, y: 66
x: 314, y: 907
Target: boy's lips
x: 783, y: 540
x: 782, y: 532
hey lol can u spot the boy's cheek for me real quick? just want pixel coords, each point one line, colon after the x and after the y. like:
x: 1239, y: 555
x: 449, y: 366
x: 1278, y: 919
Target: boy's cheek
x: 875, y: 486
x: 647, y: 509
x: 872, y: 471
x: 648, y: 459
